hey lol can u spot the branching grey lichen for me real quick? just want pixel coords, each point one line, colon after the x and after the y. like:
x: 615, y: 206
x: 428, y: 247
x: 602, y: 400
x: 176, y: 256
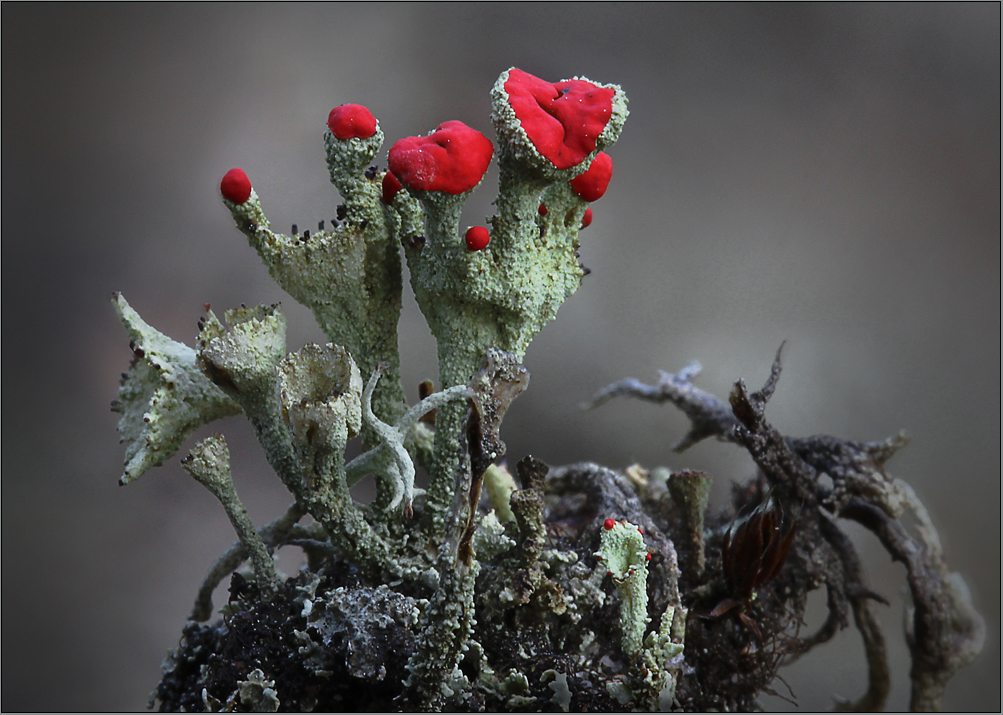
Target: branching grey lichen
x: 477, y: 593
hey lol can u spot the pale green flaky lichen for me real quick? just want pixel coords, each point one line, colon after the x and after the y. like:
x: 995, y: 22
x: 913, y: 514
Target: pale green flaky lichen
x: 656, y: 660
x: 164, y: 398
x: 499, y: 485
x: 304, y: 407
x: 349, y: 275
x: 321, y: 405
x: 623, y: 554
x: 501, y: 584
x: 503, y: 295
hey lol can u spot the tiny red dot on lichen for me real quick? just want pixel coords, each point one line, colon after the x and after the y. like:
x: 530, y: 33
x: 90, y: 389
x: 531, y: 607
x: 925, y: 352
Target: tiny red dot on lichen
x: 608, y: 524
x: 351, y: 121
x: 640, y: 531
x: 587, y: 218
x: 477, y: 238
x: 542, y: 210
x: 235, y: 186
x: 647, y: 557
x: 591, y: 185
x: 390, y: 187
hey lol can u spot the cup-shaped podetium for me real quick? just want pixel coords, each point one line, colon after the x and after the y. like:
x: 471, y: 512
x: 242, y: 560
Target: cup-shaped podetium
x: 241, y: 359
x: 320, y: 390
x: 164, y: 397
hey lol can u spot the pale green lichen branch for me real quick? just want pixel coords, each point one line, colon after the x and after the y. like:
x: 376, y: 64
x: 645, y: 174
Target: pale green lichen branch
x: 209, y: 464
x: 500, y: 485
x: 657, y: 659
x: 623, y: 554
x: 655, y: 685
x: 690, y: 490
x: 349, y: 275
x: 401, y: 466
x: 320, y: 391
x: 243, y: 360
x: 271, y: 534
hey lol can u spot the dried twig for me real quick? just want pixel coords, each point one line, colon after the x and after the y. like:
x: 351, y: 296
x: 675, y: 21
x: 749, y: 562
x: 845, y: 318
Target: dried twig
x: 943, y: 630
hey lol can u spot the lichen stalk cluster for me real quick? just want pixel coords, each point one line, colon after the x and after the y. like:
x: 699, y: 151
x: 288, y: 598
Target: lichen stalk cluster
x: 485, y: 295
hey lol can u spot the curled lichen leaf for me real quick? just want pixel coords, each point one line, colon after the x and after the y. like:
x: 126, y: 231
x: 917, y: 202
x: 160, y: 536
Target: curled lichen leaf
x: 164, y: 398
x: 399, y: 468
x: 369, y: 622
x: 663, y: 660
x: 499, y: 485
x: 257, y: 693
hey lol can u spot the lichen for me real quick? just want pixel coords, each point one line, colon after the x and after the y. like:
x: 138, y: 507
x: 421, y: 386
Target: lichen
x: 163, y: 398
x: 625, y: 557
x: 542, y: 594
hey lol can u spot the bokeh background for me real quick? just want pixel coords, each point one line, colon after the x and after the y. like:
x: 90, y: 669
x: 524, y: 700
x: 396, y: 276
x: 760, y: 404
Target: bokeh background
x: 827, y: 175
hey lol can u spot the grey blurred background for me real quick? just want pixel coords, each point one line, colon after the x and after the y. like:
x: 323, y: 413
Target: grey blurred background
x: 827, y: 175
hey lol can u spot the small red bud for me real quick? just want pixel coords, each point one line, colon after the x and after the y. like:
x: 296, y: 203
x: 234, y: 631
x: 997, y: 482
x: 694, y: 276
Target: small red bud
x: 640, y: 531
x: 608, y: 524
x: 206, y: 306
x: 609, y: 573
x: 591, y: 185
x: 542, y: 210
x: 390, y: 187
x: 598, y: 557
x: 477, y: 238
x: 647, y: 557
x: 587, y: 218
x: 351, y: 121
x: 235, y: 186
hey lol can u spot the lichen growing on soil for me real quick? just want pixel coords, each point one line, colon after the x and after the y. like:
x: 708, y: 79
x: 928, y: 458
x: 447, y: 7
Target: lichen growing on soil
x: 575, y: 588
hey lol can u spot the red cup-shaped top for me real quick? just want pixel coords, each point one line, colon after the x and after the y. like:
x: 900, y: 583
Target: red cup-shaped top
x: 452, y: 159
x: 563, y: 120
